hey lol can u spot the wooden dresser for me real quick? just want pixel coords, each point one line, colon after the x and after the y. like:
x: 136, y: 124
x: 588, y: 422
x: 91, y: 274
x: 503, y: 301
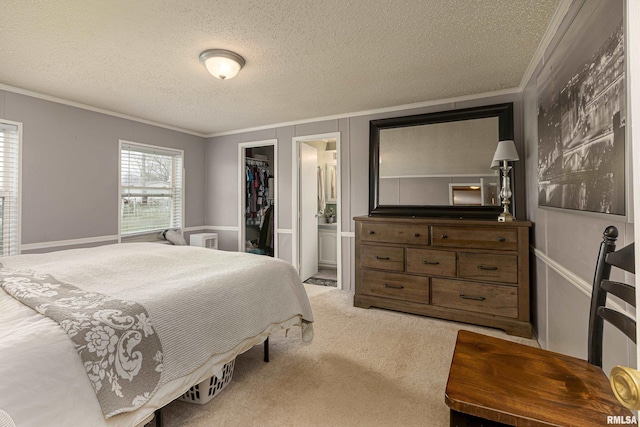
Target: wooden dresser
x: 472, y: 271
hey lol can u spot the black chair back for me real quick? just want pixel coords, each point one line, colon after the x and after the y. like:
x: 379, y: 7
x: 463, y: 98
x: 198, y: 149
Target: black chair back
x: 608, y: 257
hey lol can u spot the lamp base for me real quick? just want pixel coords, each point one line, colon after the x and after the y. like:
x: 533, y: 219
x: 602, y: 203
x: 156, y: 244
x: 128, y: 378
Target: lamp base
x: 505, y: 217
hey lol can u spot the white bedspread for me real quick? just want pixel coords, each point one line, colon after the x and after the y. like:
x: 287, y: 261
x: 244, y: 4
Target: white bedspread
x: 206, y: 307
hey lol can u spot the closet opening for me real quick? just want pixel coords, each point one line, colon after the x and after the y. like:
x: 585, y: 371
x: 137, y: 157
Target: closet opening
x: 257, y: 207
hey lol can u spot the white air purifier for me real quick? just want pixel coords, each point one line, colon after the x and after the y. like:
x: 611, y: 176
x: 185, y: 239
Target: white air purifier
x: 204, y: 240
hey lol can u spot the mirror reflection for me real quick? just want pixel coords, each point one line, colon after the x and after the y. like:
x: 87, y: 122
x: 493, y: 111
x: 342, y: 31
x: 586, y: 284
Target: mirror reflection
x: 331, y: 175
x: 438, y: 164
x: 446, y: 164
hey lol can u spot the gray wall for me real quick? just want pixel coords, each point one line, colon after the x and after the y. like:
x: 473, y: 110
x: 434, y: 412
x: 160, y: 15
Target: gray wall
x: 70, y: 168
x: 565, y: 246
x: 222, y: 173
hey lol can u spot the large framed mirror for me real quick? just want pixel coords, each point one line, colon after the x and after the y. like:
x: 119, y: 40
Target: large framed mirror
x: 438, y: 164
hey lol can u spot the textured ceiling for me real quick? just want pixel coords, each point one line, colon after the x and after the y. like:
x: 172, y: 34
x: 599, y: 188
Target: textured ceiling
x: 305, y: 58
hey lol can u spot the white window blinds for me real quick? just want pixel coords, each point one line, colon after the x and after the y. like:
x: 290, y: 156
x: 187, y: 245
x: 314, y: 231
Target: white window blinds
x: 9, y: 188
x: 151, y: 188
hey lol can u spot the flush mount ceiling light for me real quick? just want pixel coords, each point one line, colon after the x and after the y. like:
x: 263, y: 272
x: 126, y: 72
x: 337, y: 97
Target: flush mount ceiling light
x: 221, y: 63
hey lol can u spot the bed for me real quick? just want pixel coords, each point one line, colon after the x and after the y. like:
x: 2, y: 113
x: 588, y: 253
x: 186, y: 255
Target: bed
x: 197, y: 309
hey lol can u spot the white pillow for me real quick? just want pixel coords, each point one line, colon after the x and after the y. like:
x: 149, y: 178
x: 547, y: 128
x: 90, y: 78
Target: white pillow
x: 174, y: 237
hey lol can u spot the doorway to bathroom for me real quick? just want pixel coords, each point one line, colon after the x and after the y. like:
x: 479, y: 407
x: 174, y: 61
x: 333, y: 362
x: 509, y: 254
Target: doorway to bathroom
x: 316, y: 209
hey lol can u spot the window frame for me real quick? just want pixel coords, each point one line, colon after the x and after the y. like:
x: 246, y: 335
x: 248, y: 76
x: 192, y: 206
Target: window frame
x: 160, y: 150
x: 6, y: 225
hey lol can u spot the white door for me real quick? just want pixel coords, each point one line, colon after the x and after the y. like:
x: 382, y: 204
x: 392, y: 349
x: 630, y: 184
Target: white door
x: 308, y: 209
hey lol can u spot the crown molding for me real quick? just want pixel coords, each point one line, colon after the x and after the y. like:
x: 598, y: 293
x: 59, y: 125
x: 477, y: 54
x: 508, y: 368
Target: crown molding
x: 70, y: 103
x: 550, y: 32
x: 395, y: 108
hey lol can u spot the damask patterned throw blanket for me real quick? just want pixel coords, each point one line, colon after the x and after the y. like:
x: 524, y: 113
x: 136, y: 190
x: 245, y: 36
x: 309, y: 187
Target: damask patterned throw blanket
x: 115, y: 338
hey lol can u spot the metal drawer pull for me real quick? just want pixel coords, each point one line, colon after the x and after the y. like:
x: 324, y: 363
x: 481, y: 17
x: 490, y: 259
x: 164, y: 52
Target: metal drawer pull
x: 393, y: 287
x: 501, y: 239
x: 482, y: 267
x: 424, y: 261
x: 416, y: 234
x: 444, y: 236
x: 383, y: 258
x: 473, y: 298
x: 372, y: 232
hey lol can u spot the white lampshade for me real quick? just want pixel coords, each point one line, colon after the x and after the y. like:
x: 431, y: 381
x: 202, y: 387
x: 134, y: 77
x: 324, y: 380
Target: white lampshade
x: 222, y: 64
x: 506, y: 151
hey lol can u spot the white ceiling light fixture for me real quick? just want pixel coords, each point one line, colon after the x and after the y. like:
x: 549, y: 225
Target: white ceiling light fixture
x: 222, y: 64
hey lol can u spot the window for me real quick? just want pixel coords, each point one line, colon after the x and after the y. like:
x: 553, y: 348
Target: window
x: 10, y: 134
x: 151, y: 193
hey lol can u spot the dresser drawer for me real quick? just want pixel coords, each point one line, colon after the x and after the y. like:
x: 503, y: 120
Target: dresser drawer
x: 395, y: 233
x: 490, y: 299
x: 475, y: 237
x: 382, y: 257
x: 432, y: 262
x: 489, y: 267
x: 396, y: 286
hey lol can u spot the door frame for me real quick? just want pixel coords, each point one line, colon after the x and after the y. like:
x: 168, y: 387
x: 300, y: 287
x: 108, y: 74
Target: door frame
x: 241, y: 190
x: 295, y: 203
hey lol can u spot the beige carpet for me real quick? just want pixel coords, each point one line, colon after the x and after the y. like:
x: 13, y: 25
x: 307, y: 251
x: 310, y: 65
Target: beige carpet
x: 364, y: 368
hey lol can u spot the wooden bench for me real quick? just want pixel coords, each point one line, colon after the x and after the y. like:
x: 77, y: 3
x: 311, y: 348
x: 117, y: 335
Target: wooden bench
x: 494, y: 382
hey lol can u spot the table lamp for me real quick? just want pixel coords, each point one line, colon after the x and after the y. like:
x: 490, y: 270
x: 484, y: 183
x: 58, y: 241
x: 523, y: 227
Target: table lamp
x: 505, y: 152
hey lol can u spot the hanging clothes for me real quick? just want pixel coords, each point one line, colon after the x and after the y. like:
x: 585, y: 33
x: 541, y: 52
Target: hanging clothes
x: 321, y: 201
x: 257, y: 191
